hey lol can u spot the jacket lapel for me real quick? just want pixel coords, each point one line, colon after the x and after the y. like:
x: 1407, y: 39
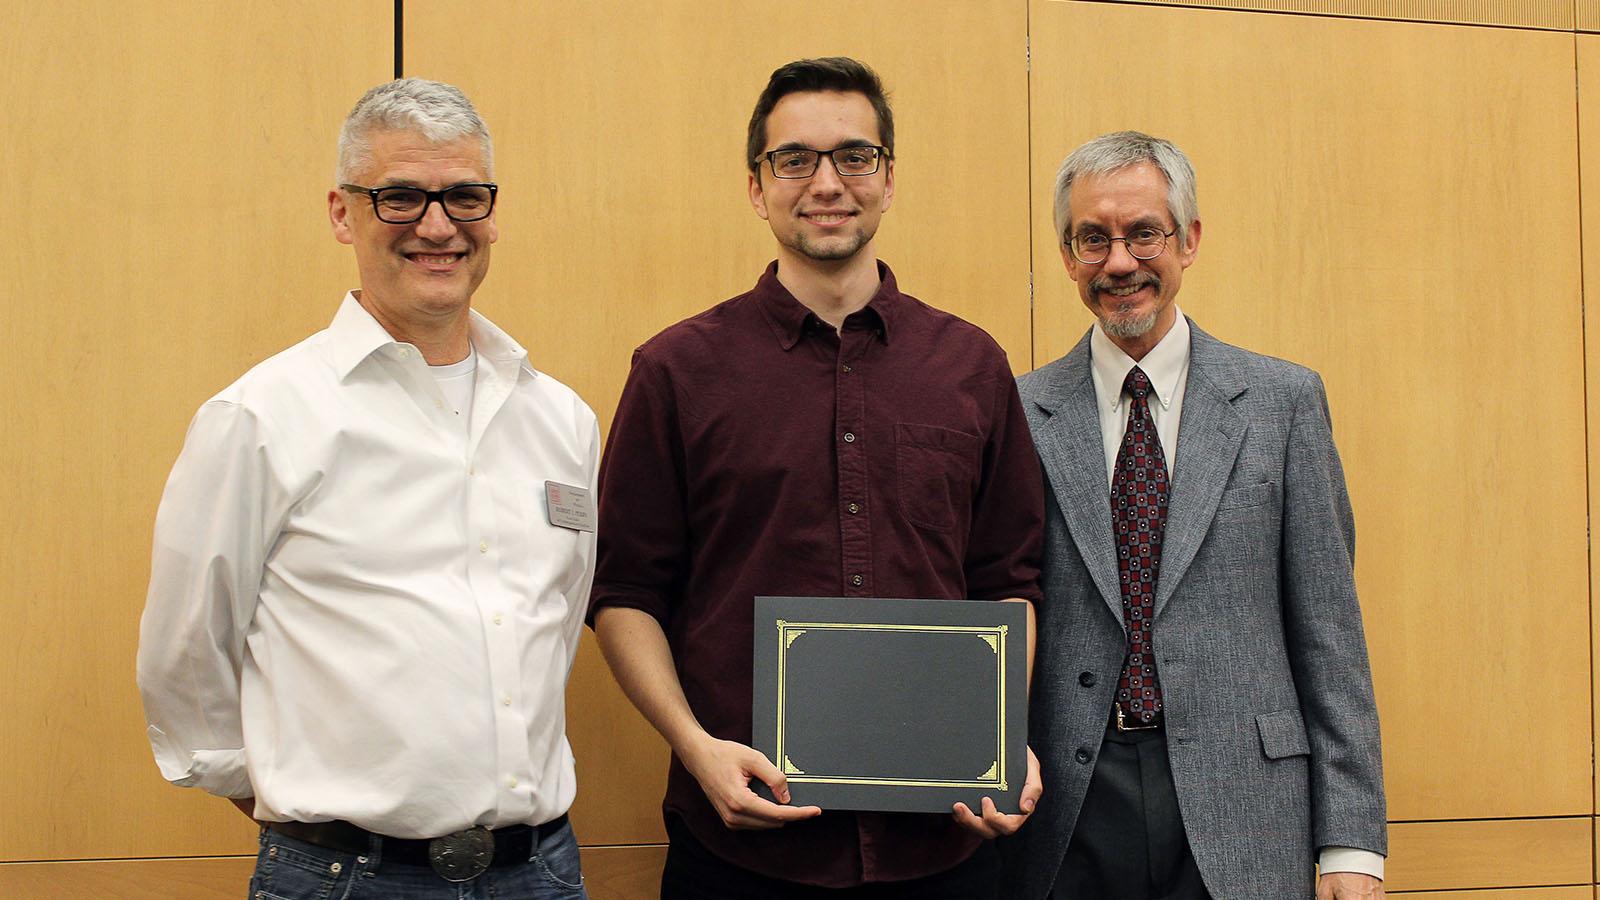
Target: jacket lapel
x: 1074, y: 461
x: 1210, y: 433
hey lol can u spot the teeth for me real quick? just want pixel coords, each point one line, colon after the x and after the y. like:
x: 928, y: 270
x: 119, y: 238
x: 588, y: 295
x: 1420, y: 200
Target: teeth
x: 828, y: 220
x: 434, y: 257
x: 1125, y: 291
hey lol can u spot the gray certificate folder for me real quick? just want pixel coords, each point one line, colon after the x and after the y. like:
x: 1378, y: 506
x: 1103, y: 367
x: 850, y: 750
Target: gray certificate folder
x: 893, y: 705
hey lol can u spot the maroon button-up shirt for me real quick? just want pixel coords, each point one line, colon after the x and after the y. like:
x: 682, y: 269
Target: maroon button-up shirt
x: 756, y: 451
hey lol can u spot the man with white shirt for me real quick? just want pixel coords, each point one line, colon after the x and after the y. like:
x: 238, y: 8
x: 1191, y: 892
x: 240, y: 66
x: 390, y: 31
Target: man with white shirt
x: 373, y: 558
x: 1202, y: 703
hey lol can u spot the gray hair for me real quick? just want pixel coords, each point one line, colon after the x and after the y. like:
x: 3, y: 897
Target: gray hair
x: 1119, y: 150
x: 440, y: 112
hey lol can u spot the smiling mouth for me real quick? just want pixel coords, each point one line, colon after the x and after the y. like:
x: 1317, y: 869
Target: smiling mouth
x: 435, y: 260
x: 827, y: 218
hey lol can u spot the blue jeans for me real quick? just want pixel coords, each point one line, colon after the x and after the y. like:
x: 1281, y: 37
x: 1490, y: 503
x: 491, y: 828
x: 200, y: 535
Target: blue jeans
x: 287, y: 869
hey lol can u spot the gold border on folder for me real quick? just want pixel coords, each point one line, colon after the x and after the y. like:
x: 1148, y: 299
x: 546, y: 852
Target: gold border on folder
x: 993, y: 635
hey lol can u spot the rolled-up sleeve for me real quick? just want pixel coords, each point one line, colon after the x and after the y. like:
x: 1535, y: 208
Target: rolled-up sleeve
x: 219, y: 515
x: 643, y: 532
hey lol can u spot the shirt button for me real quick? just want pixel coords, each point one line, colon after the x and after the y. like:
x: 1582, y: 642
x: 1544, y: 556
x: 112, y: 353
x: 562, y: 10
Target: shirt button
x: 849, y: 437
x: 438, y: 404
x: 335, y: 868
x: 1087, y: 679
x: 505, y: 700
x: 405, y: 353
x: 856, y: 580
x: 497, y: 618
x: 846, y: 368
x: 483, y: 546
x: 1083, y: 755
x: 854, y: 508
x: 511, y: 781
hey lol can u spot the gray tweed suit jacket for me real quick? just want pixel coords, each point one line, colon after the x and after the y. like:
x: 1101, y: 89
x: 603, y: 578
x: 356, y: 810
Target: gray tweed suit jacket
x: 1271, y: 726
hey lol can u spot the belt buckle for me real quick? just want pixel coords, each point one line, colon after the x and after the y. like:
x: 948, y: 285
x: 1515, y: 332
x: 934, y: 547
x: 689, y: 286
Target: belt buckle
x: 1124, y: 727
x: 462, y: 855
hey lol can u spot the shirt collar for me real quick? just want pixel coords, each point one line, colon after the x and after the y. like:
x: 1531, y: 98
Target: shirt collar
x: 1163, y: 365
x: 790, y: 318
x: 355, y: 335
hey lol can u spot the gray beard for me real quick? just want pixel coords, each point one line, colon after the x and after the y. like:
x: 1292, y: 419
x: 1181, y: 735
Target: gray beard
x: 1127, y: 329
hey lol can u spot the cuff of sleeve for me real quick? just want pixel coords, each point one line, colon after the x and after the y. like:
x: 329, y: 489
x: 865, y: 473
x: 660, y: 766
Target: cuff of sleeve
x: 220, y: 772
x: 1350, y: 859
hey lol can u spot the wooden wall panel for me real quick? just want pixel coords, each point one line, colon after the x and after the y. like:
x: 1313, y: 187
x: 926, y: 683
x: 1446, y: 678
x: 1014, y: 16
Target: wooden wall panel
x: 1588, y: 52
x: 1547, y: 14
x: 619, y: 144
x: 1367, y: 189
x: 172, y: 231
x: 1490, y: 854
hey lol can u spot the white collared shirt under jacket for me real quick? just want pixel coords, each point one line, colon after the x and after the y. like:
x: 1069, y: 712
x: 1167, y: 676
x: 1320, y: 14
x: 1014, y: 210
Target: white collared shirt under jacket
x: 350, y: 618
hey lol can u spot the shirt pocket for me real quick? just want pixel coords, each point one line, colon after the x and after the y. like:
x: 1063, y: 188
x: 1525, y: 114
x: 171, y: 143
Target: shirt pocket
x: 935, y: 472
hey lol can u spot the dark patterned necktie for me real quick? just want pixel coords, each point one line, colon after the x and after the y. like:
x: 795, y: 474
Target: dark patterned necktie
x: 1139, y: 517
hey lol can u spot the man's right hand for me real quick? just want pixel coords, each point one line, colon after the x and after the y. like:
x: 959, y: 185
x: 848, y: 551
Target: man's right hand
x: 724, y: 770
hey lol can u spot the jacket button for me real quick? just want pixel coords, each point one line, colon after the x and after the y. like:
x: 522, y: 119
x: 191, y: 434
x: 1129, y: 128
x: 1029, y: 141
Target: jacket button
x: 1083, y: 755
x: 1087, y: 679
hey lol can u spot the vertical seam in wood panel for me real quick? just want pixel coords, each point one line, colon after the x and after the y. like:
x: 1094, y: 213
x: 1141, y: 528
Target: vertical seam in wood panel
x: 400, y: 39
x: 1588, y: 474
x: 1033, y: 274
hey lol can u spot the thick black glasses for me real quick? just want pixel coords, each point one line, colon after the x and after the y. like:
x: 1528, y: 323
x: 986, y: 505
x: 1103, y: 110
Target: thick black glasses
x: 803, y: 162
x: 404, y: 205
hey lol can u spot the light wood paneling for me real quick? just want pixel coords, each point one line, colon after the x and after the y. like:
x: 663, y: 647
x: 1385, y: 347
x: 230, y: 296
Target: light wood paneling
x: 221, y: 878
x: 1587, y: 13
x: 1576, y: 892
x: 1548, y: 14
x: 619, y: 143
x: 624, y: 873
x: 173, y: 231
x: 1588, y: 51
x: 1351, y: 225
x: 1487, y: 854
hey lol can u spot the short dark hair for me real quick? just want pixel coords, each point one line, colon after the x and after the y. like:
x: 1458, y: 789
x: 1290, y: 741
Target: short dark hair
x: 831, y: 73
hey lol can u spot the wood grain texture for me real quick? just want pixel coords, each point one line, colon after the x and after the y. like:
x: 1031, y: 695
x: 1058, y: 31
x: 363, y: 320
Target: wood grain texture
x: 1489, y: 854
x: 1587, y: 14
x: 619, y: 142
x: 174, y: 232
x: 1352, y: 226
x: 1547, y: 14
x: 1588, y: 59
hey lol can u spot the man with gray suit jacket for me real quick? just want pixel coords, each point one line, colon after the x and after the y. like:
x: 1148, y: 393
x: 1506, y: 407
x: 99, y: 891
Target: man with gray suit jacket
x: 1202, y: 704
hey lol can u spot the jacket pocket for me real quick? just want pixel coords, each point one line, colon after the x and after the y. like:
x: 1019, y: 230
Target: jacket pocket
x: 935, y: 471
x: 1249, y: 495
x: 1283, y: 734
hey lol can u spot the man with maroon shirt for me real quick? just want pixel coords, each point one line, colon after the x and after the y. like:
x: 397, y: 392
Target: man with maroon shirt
x: 820, y: 435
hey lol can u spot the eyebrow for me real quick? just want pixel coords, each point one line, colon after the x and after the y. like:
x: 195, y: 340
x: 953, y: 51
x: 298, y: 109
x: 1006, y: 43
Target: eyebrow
x: 417, y: 185
x: 1146, y: 222
x: 796, y: 145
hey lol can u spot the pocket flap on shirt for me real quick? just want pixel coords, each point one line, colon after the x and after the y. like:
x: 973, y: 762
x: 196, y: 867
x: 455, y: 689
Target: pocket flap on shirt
x: 1283, y: 734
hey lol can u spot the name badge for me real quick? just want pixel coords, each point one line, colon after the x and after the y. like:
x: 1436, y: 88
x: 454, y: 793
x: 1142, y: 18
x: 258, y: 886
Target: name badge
x: 569, y: 507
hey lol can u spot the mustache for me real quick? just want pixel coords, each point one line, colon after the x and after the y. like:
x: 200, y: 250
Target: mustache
x: 1102, y: 283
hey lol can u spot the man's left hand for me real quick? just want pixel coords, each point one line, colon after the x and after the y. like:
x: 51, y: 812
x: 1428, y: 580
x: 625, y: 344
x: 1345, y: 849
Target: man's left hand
x: 993, y: 824
x: 1349, y: 886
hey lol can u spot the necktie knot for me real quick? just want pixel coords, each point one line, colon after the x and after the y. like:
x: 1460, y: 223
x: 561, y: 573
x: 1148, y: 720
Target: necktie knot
x: 1137, y: 384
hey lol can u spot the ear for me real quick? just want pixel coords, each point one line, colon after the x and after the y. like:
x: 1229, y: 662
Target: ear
x: 1191, y: 245
x: 758, y: 200
x: 888, y: 185
x: 339, y: 216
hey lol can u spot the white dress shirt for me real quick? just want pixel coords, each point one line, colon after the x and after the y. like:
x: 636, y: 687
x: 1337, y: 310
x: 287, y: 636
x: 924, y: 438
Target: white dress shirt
x: 352, y: 614
x: 1167, y: 367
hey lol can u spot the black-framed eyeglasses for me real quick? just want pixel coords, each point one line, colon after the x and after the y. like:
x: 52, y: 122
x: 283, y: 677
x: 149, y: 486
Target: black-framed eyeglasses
x: 404, y: 205
x: 1092, y: 248
x: 802, y: 162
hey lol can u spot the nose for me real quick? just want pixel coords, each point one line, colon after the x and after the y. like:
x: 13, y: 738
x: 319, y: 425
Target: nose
x: 1120, y: 260
x: 826, y: 180
x: 434, y: 224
